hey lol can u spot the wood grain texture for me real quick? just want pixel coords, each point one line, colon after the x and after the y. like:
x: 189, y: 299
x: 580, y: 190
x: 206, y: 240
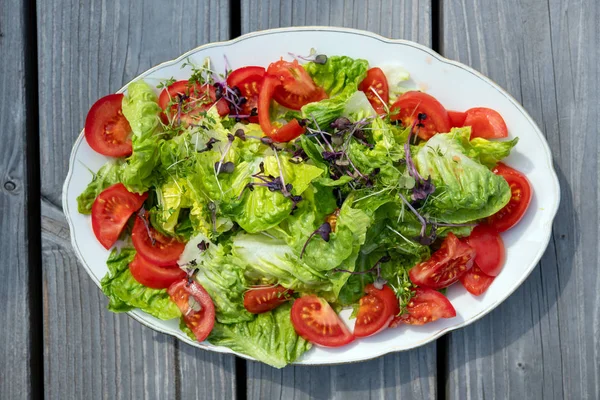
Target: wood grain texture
x: 88, y: 49
x: 543, y: 341
x: 403, y: 375
x: 14, y: 291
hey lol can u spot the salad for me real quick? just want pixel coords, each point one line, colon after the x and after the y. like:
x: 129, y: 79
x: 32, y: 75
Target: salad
x: 256, y: 204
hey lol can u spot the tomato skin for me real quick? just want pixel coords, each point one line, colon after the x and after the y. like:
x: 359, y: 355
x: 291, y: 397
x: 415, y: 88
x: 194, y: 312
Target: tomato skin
x: 475, y: 281
x: 164, y: 252
x: 521, y: 193
x: 376, y: 80
x: 246, y: 74
x: 445, y: 266
x: 427, y: 305
x: 412, y: 103
x: 297, y: 87
x: 111, y: 210
x: 153, y: 276
x: 200, y: 322
x: 377, y: 309
x: 203, y: 96
x: 249, y: 81
x: 107, y: 131
x: 485, y: 123
x: 489, y: 249
x: 314, y: 320
x: 258, y: 300
x: 457, y: 118
x: 289, y: 131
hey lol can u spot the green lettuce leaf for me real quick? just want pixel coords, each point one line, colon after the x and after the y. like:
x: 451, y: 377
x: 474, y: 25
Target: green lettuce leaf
x: 125, y: 293
x: 269, y: 338
x: 465, y: 189
x: 340, y: 77
x: 222, y: 277
x: 141, y: 109
x: 108, y: 175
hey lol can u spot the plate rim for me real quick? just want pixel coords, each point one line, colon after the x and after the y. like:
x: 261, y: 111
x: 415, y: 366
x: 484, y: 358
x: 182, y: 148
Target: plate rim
x: 138, y: 314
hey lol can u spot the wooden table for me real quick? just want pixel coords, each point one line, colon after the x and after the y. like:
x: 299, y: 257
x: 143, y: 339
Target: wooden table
x: 58, y: 340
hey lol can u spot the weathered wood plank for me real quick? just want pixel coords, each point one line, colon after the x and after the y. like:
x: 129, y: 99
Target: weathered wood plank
x: 88, y: 49
x: 15, y: 381
x: 405, y: 375
x: 543, y: 341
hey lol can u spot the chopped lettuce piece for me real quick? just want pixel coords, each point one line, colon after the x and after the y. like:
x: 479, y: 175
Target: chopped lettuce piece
x: 108, y: 175
x: 125, y: 293
x: 465, y: 189
x: 269, y: 338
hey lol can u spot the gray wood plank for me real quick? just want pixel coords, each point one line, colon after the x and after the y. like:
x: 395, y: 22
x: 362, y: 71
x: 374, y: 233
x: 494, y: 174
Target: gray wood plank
x: 15, y: 381
x: 404, y: 375
x: 88, y: 49
x: 543, y: 341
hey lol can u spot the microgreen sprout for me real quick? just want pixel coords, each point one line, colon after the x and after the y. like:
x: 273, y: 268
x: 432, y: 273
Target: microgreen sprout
x: 313, y: 56
x: 143, y: 214
x: 423, y: 187
x: 379, y: 281
x: 324, y: 231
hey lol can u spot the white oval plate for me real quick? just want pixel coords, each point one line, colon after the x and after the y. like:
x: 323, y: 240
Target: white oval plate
x: 457, y: 86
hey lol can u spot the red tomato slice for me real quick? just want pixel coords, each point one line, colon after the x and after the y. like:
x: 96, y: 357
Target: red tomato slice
x: 153, y: 276
x: 241, y: 76
x: 199, y: 313
x: 297, y: 87
x: 376, y: 82
x: 489, y: 249
x: 475, y: 281
x: 457, y: 118
x: 412, y: 103
x: 376, y: 311
x: 198, y: 99
x: 107, y: 131
x: 262, y: 299
x: 289, y: 131
x: 427, y: 305
x: 445, y: 266
x: 111, y: 210
x: 485, y: 123
x: 520, y: 188
x: 159, y: 250
x: 314, y: 320
x: 249, y: 81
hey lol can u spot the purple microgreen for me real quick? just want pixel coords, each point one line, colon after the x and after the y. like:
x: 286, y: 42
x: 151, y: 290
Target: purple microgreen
x: 423, y: 187
x: 324, y: 231
x: 226, y: 168
x: 240, y: 134
x: 212, y: 207
x: 319, y: 131
x: 341, y: 123
x: 209, y: 145
x: 219, y: 165
x: 143, y: 214
x: 379, y: 281
x: 203, y: 245
x: 316, y: 58
x: 332, y: 155
x: 190, y: 274
x: 416, y: 213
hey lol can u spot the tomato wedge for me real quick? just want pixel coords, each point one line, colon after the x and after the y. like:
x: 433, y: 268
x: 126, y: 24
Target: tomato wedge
x: 262, y: 299
x: 195, y: 305
x: 197, y: 99
x: 297, y: 87
x: 485, y: 123
x: 153, y: 246
x: 314, y: 320
x: 287, y: 132
x: 489, y: 249
x: 375, y: 87
x: 107, y: 131
x: 249, y: 81
x: 520, y: 189
x: 111, y: 210
x: 457, y: 118
x: 153, y: 276
x: 475, y: 281
x: 376, y: 310
x: 445, y: 266
x: 413, y: 103
x: 427, y: 305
